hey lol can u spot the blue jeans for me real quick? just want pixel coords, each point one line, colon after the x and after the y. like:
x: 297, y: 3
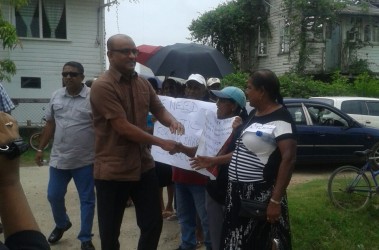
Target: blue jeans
x: 56, y: 191
x: 191, y: 200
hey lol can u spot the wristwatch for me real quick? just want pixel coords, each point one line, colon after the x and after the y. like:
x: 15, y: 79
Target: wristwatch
x: 14, y: 148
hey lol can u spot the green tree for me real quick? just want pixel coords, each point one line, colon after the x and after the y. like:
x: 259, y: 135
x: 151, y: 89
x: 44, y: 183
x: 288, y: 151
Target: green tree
x: 9, y: 40
x: 232, y: 28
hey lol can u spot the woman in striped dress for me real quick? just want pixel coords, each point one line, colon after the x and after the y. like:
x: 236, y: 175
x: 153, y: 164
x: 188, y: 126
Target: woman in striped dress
x: 261, y: 169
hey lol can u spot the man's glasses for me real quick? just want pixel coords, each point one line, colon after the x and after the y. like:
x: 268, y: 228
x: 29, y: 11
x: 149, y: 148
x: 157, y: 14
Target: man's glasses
x: 127, y: 51
x: 72, y: 74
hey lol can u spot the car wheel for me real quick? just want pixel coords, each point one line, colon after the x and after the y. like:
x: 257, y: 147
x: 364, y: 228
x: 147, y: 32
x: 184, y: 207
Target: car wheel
x: 375, y: 156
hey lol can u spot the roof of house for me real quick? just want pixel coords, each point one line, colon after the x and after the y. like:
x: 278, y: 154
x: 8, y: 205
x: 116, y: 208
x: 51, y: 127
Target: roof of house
x: 371, y: 10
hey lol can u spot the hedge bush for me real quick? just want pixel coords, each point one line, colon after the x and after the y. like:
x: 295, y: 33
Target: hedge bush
x: 294, y: 85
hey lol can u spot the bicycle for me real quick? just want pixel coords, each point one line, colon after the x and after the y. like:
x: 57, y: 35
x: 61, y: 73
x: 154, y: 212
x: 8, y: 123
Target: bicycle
x: 350, y: 187
x: 35, y: 138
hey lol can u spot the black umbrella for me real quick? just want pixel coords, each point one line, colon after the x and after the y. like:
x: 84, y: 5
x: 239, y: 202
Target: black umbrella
x: 183, y: 59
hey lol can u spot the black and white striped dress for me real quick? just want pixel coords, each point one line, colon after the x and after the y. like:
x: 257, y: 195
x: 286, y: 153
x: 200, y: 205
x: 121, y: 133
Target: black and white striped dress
x: 252, y: 173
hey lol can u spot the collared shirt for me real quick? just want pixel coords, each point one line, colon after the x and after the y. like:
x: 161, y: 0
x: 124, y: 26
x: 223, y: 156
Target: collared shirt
x: 6, y: 104
x: 74, y: 137
x: 114, y: 96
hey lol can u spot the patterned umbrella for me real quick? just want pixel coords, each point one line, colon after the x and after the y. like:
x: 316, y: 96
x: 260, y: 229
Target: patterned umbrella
x: 183, y: 59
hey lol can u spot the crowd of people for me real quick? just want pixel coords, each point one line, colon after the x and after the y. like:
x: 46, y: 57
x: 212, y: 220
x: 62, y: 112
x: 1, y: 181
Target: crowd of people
x: 103, y: 133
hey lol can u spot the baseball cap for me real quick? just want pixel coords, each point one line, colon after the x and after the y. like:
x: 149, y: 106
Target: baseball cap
x: 233, y: 93
x: 198, y: 78
x: 212, y: 81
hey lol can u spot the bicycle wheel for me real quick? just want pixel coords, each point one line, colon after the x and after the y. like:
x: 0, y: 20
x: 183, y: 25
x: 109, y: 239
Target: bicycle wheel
x: 34, y: 141
x: 349, y: 189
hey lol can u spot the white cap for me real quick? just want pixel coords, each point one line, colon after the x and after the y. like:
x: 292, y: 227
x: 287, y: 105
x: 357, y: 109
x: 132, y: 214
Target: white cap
x: 212, y: 81
x: 198, y: 78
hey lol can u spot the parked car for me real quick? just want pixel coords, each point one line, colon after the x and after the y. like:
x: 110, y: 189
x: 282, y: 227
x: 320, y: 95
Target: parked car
x: 363, y: 109
x: 328, y: 136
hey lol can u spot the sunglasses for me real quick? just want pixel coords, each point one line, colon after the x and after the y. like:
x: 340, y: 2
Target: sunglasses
x: 127, y: 51
x: 72, y: 74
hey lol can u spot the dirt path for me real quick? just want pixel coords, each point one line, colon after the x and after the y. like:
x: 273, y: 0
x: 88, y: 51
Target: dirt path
x: 305, y: 175
x: 34, y: 180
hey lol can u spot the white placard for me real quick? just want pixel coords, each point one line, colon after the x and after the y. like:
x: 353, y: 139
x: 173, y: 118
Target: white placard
x: 195, y: 116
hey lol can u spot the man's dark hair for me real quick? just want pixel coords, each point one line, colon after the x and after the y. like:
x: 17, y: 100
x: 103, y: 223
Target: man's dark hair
x: 77, y: 65
x: 153, y: 83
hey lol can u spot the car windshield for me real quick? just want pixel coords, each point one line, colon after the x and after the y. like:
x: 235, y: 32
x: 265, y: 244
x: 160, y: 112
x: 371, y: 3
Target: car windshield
x: 313, y: 114
x: 325, y: 117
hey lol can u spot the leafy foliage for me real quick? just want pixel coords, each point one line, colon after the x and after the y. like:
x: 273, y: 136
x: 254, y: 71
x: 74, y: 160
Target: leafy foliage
x: 238, y: 79
x: 232, y: 27
x: 7, y: 69
x: 302, y: 86
x: 9, y: 40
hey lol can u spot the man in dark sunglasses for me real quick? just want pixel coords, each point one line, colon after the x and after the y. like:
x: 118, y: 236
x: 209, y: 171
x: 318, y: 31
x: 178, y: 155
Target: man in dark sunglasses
x: 121, y: 101
x: 69, y: 122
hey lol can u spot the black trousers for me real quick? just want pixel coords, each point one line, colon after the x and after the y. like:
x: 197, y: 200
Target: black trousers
x: 111, y: 203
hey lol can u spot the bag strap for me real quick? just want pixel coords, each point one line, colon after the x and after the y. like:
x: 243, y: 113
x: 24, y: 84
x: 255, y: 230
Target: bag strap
x: 237, y: 148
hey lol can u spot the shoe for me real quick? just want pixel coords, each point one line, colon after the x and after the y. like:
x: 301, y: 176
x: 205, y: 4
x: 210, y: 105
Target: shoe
x: 87, y: 245
x: 166, y: 214
x: 57, y: 233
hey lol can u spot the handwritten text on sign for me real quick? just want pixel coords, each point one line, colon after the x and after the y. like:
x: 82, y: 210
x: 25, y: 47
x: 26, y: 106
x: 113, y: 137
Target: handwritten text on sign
x: 196, y: 116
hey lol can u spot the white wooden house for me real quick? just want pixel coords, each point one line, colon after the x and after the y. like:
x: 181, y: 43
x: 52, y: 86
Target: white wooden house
x: 330, y: 47
x: 52, y: 32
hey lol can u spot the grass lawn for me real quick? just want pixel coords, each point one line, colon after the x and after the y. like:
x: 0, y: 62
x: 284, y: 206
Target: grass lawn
x: 317, y: 224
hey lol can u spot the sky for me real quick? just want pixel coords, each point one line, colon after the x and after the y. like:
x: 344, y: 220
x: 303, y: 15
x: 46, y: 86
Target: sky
x: 156, y: 22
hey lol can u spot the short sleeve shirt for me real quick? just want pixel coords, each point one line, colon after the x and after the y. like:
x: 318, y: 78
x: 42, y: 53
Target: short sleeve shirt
x: 74, y: 137
x: 115, y: 96
x: 257, y: 158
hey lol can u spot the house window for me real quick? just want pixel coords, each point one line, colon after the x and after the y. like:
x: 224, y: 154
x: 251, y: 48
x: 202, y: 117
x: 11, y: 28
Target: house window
x: 262, y: 41
x: 30, y: 82
x: 371, y: 32
x: 42, y: 19
x: 284, y: 36
x: 354, y: 31
x: 315, y: 28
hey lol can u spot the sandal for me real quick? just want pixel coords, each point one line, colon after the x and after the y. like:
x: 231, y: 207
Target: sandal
x: 166, y: 214
x: 199, y: 244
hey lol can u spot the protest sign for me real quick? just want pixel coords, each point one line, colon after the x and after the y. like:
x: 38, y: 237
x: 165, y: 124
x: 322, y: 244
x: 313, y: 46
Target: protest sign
x: 214, y: 135
x: 196, y: 116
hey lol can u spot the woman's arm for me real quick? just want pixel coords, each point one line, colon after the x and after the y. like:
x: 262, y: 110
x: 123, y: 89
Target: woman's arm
x: 288, y: 152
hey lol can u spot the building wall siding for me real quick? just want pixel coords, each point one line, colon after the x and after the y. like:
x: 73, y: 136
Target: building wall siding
x: 278, y: 63
x: 44, y: 58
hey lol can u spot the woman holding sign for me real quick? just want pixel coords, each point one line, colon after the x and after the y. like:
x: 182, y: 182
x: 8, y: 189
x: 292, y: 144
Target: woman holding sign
x: 231, y: 102
x: 260, y: 171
